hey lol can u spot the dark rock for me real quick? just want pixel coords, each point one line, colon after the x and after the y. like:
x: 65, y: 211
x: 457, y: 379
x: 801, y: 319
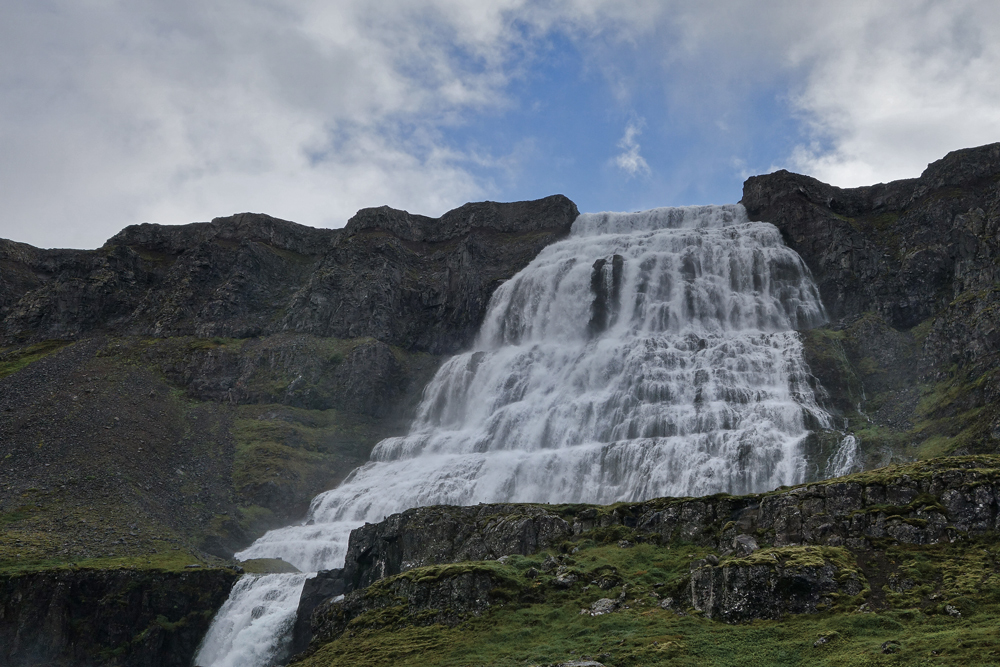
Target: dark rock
x: 406, y: 280
x: 736, y: 592
x: 744, y: 545
x: 446, y: 534
x: 924, y: 503
x: 325, y: 586
x: 447, y: 599
x: 891, y: 646
x: 149, y: 618
x: 892, y: 248
x: 907, y: 273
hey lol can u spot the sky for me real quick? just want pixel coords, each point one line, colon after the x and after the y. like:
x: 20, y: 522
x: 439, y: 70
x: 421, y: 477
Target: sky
x: 117, y: 112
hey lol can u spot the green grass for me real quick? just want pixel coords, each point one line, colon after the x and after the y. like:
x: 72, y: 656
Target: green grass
x: 543, y: 625
x: 13, y: 360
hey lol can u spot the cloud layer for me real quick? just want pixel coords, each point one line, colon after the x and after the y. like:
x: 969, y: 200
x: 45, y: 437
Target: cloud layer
x: 115, y: 112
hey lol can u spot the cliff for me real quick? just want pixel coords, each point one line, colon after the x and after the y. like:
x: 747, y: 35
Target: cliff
x: 907, y: 271
x: 201, y: 383
x: 896, y: 548
x: 83, y: 617
x: 169, y: 397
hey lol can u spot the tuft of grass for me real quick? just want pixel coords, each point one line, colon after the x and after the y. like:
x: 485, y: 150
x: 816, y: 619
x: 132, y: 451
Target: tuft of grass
x: 13, y: 360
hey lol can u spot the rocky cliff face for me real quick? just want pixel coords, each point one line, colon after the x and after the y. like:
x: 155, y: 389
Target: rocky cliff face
x: 179, y: 391
x: 108, y: 617
x: 407, y: 280
x: 799, y: 550
x: 907, y: 271
x: 201, y: 383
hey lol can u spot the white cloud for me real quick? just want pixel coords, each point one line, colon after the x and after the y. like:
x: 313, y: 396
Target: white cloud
x: 892, y: 86
x: 629, y: 160
x: 121, y: 111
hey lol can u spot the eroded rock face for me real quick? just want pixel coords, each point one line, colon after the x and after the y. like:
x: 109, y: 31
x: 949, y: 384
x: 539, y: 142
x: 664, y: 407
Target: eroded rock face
x: 903, y: 249
x: 923, y: 505
x: 432, y: 535
x: 407, y: 280
x: 444, y: 599
x: 108, y: 617
x: 920, y: 504
x: 907, y: 271
x: 735, y: 593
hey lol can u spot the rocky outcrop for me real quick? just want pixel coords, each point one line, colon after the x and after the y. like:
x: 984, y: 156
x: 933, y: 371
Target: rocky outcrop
x: 903, y: 249
x: 907, y: 271
x: 108, y: 617
x: 738, y: 591
x: 406, y: 280
x: 445, y: 596
x: 923, y: 503
x: 427, y: 536
x: 815, y: 537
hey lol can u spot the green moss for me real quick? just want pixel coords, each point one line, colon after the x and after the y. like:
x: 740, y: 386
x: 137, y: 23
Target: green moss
x: 543, y: 626
x: 14, y: 359
x: 798, y: 556
x: 267, y: 566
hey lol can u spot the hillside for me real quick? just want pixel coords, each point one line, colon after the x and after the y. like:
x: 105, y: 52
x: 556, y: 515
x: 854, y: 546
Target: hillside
x: 171, y: 396
x: 909, y: 276
x: 191, y: 387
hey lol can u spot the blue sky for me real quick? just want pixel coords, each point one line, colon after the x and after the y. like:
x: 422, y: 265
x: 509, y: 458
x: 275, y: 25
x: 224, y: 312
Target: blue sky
x: 115, y: 112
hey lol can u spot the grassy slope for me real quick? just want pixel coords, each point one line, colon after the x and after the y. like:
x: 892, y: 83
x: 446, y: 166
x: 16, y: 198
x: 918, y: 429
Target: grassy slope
x: 543, y: 624
x: 898, y: 407
x: 103, y: 457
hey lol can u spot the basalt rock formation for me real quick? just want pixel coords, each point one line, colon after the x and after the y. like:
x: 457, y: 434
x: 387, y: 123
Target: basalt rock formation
x: 819, y: 544
x: 84, y: 617
x: 182, y: 389
x: 907, y: 271
x: 407, y: 280
x: 210, y: 379
x: 174, y: 394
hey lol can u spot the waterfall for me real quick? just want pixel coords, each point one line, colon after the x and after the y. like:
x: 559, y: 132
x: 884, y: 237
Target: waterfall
x: 253, y: 626
x: 647, y: 354
x: 846, y: 459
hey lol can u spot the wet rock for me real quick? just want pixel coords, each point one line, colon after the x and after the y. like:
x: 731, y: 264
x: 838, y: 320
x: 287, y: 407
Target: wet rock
x: 744, y: 545
x: 891, y: 646
x: 601, y: 607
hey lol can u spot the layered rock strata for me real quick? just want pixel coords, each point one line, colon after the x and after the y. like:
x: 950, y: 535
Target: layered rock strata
x: 813, y: 539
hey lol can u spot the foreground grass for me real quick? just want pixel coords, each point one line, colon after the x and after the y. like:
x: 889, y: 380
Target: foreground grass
x: 543, y: 625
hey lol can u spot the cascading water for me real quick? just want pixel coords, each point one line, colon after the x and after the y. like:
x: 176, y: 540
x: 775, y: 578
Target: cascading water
x: 253, y: 626
x: 648, y: 354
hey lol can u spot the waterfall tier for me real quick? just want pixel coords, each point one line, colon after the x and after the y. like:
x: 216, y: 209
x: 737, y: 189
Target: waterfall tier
x: 648, y: 354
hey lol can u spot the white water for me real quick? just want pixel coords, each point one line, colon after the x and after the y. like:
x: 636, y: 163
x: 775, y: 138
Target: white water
x: 689, y: 381
x: 253, y: 626
x: 846, y: 459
